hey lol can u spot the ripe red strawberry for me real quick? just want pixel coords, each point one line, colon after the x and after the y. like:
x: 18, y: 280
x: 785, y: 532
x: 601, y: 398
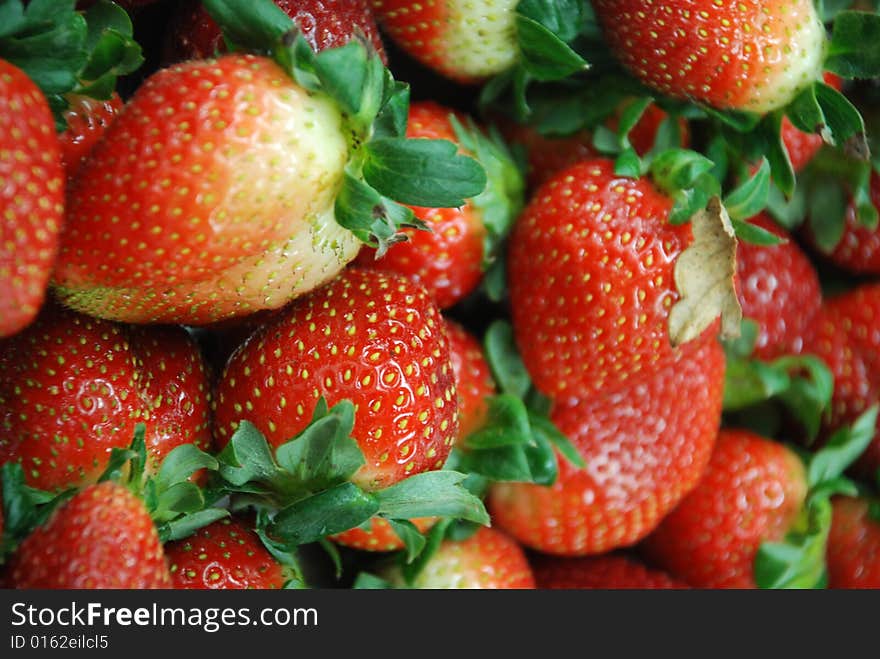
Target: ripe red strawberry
x: 854, y: 544
x: 372, y: 338
x: 778, y: 288
x: 31, y: 195
x: 193, y: 34
x: 473, y: 378
x: 645, y: 447
x: 488, y: 559
x: 466, y: 42
x: 74, y: 387
x: 448, y: 261
x: 549, y: 155
x: 225, y: 555
x: 102, y: 538
x: 87, y: 119
x: 752, y: 491
x: 747, y: 55
x: 609, y: 572
x: 590, y: 271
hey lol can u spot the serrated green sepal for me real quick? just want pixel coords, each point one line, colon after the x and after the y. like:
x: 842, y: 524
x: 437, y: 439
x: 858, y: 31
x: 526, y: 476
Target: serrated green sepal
x: 24, y: 507
x: 798, y: 561
x: 854, y: 51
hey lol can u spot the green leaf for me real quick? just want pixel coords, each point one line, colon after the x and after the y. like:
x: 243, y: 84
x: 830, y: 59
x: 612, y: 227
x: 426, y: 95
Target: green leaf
x: 788, y: 213
x: 185, y: 526
x: 112, y: 49
x: 413, y: 540
x: 842, y: 449
x: 543, y: 55
x: 507, y: 424
x: 799, y: 560
x: 747, y: 382
x: 329, y: 512
x: 24, y: 508
x: 743, y: 345
x: 410, y: 571
x: 808, y: 396
x: 805, y: 111
x: 679, y: 169
x: 494, y: 283
x: 750, y: 198
x: 768, y: 136
x: 628, y: 164
x: 355, y: 78
x: 827, y: 201
x: 755, y: 235
x: 247, y: 457
x: 542, y: 425
x: 688, y: 201
x: 392, y: 118
x: 842, y: 118
x: 507, y: 366
x: 854, y: 51
x: 431, y: 494
x: 367, y: 581
x: 564, y: 18
x: 741, y: 122
x: 256, y: 26
x: 422, y: 172
x: 181, y: 463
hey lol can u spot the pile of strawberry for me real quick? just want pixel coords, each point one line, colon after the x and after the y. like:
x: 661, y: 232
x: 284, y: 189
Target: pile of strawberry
x: 576, y: 294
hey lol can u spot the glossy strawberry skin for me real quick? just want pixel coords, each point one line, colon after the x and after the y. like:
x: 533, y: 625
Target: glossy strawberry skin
x: 102, y: 538
x: 590, y: 272
x: 473, y: 378
x: 225, y: 555
x: 778, y: 288
x: 186, y: 210
x: 465, y: 42
x: 645, y: 447
x: 372, y: 338
x: 31, y: 195
x: 448, y: 260
x: 751, y: 492
x: 854, y: 545
x: 750, y: 55
x: 87, y: 119
x: 193, y: 34
x: 608, y: 572
x: 74, y: 387
x: 488, y: 559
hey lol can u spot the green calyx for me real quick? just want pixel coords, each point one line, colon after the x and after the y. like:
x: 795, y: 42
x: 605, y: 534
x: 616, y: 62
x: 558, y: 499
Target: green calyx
x: 385, y: 170
x: 518, y: 442
x: 546, y: 31
x: 304, y: 489
x: 798, y: 561
x: 177, y: 505
x: 68, y: 52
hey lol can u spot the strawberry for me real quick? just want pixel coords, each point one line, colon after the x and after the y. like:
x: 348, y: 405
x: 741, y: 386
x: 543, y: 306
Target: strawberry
x: 87, y: 119
x: 609, y: 572
x: 473, y: 379
x: 778, y: 288
x: 193, y: 34
x: 254, y: 226
x: 73, y: 387
x: 449, y: 260
x: 602, y: 246
x: 225, y: 555
x: 858, y: 248
x: 102, y: 538
x: 373, y: 338
x: 645, y: 447
x: 488, y: 559
x: 32, y: 196
x: 466, y: 42
x: 752, y: 491
x: 749, y: 55
x: 854, y: 544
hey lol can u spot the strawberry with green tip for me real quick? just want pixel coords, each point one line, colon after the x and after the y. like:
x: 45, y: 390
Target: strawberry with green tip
x: 231, y: 186
x: 748, y: 55
x: 488, y: 559
x: 608, y: 572
x: 225, y: 555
